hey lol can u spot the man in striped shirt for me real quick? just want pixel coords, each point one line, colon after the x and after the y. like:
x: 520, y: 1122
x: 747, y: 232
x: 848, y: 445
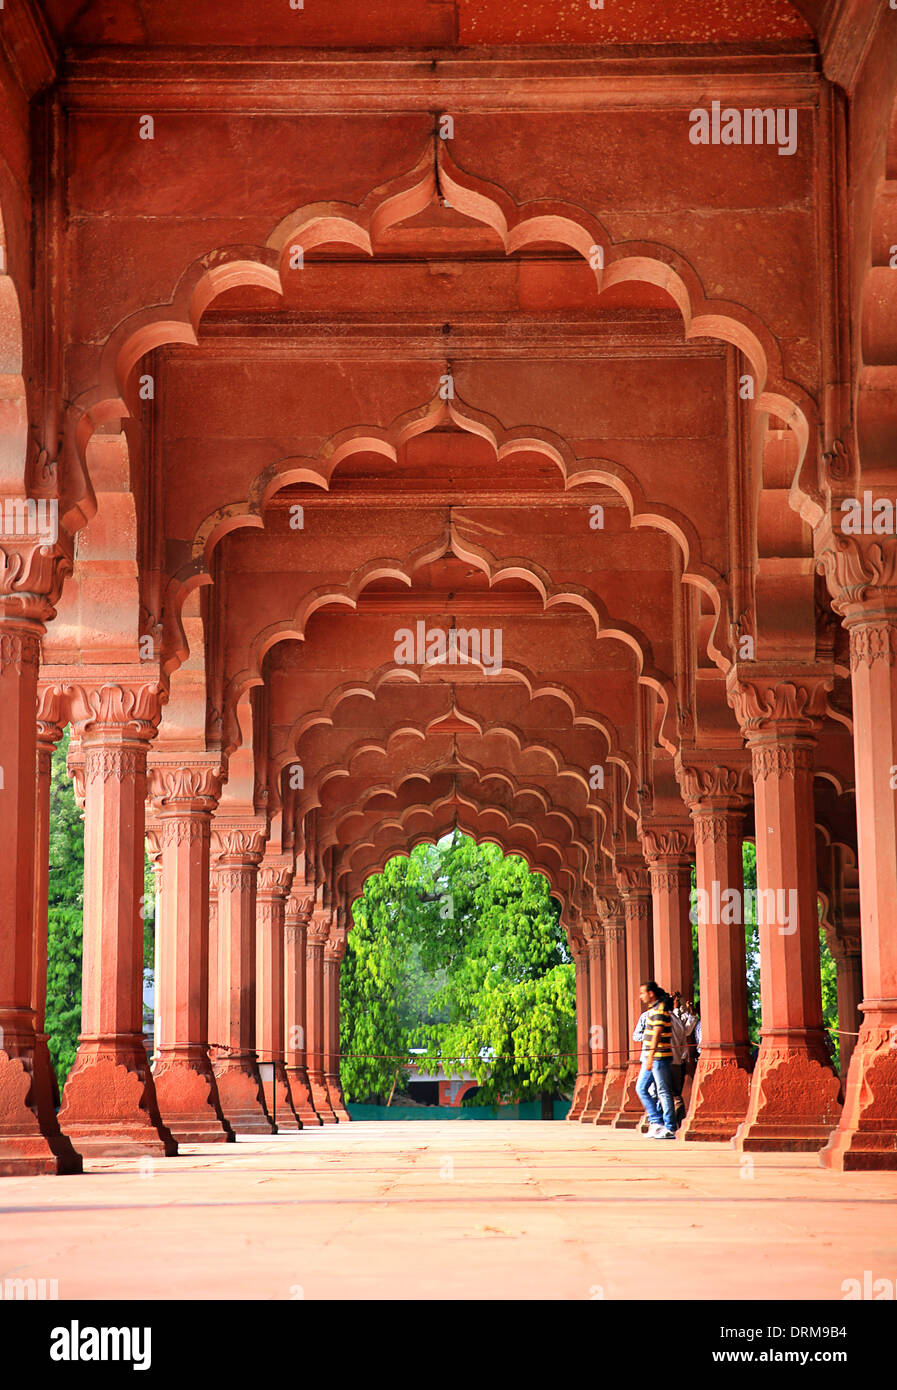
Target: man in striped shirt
x: 657, y: 1060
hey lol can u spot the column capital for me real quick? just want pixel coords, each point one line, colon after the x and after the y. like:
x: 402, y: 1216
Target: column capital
x: 239, y: 844
x: 609, y: 908
x: 860, y: 567
x: 633, y: 880
x: 111, y: 706
x: 787, y: 702
x: 334, y: 948
x: 668, y: 846
x: 31, y: 579
x: 275, y: 877
x: 181, y: 783
x: 319, y: 927
x: 299, y: 908
x: 711, y: 779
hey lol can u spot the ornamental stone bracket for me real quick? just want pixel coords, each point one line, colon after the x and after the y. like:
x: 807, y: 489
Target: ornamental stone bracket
x: 31, y: 578
x: 185, y: 782
x: 774, y: 702
x: 240, y: 843
x: 714, y: 778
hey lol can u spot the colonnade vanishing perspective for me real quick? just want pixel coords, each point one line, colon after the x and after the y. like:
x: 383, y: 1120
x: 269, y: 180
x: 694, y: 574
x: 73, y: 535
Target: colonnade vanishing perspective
x: 400, y: 439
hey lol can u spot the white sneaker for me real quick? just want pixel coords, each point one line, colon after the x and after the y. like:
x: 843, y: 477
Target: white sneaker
x: 663, y: 1133
x: 654, y: 1131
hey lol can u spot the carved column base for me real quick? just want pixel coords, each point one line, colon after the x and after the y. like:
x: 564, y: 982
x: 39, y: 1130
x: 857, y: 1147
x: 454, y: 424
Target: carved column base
x: 580, y: 1095
x: 300, y: 1091
x: 109, y: 1103
x: 240, y: 1095
x: 866, y: 1137
x: 720, y: 1091
x: 794, y: 1102
x: 31, y: 1141
x: 279, y: 1102
x: 320, y: 1098
x: 594, y: 1097
x: 188, y: 1097
x: 335, y: 1094
x: 631, y: 1111
x: 612, y: 1096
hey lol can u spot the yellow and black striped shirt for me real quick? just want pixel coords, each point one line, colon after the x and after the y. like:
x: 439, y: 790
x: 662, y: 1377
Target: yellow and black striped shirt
x: 660, y: 1017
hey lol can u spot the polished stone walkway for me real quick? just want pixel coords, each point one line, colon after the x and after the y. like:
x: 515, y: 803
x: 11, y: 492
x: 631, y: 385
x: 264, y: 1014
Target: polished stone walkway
x: 459, y: 1209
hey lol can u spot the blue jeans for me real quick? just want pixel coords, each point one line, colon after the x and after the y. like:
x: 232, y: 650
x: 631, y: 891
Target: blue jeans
x: 657, y: 1085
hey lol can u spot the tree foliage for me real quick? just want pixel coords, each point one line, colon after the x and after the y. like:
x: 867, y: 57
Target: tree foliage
x: 64, y: 918
x: 458, y: 949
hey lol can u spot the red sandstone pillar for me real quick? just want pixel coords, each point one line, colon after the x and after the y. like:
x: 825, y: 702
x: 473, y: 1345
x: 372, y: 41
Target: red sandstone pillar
x: 30, y: 1138
x: 610, y: 911
x: 273, y: 886
x: 238, y: 852
x: 669, y: 856
x: 635, y: 890
x: 318, y: 932
x: 794, y: 1101
x: 715, y: 793
x: 109, y: 1104
x: 597, y: 1039
x: 862, y: 579
x: 298, y: 911
x: 185, y: 788
x: 154, y: 851
x: 334, y: 950
x: 580, y: 955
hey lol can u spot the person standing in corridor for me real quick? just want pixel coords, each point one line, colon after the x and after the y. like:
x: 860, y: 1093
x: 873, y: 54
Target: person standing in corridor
x: 657, y: 1060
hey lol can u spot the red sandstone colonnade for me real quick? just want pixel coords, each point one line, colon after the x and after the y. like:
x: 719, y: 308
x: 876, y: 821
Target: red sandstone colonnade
x: 410, y: 422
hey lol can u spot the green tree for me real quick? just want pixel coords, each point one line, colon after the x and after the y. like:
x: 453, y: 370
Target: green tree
x: 64, y: 918
x: 458, y: 949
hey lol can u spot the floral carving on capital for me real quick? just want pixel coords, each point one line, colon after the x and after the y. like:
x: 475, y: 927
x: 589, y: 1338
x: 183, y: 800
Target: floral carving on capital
x: 123, y: 710
x: 714, y: 784
x: 858, y: 569
x: 318, y: 929
x: 176, y: 786
x: 778, y: 760
x: 871, y: 642
x: 768, y: 705
x: 31, y: 580
x: 113, y: 764
x: 274, y: 880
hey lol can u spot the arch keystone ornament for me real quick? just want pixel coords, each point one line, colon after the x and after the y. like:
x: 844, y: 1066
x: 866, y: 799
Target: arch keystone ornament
x: 861, y: 573
x: 795, y: 1094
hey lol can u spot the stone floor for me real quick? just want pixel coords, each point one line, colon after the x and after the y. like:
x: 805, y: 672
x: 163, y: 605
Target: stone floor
x: 427, y: 1210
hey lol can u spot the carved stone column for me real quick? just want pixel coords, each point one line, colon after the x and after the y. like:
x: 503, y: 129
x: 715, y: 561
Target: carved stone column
x: 669, y: 853
x: 216, y: 1031
x: 334, y: 950
x: 185, y: 789
x: 794, y: 1102
x: 610, y: 912
x: 861, y: 572
x: 635, y: 890
x: 715, y: 788
x: 593, y: 932
x: 30, y: 1138
x: 237, y: 852
x: 273, y: 885
x: 848, y: 965
x: 298, y: 911
x: 109, y: 1103
x: 579, y: 952
x: 318, y: 932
